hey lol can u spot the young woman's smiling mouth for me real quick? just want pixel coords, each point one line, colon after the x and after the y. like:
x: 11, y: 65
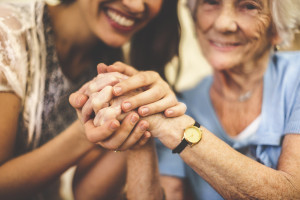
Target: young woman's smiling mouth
x: 119, y: 20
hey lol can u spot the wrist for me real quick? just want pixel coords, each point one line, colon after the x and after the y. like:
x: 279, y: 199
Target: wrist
x: 79, y: 132
x: 172, y: 133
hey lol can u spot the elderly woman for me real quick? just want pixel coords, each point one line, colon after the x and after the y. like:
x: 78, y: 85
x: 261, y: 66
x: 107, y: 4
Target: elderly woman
x: 241, y: 138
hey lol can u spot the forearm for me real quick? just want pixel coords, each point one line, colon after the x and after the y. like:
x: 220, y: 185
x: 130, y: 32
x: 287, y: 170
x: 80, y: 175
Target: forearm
x: 142, y: 174
x: 100, y: 175
x: 232, y: 174
x: 27, y: 174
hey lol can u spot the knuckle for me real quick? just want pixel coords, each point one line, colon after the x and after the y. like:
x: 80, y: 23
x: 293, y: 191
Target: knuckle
x: 184, y: 107
x: 112, y: 78
x: 113, y: 146
x: 154, y: 74
x: 143, y: 78
x: 117, y: 63
x: 91, y: 138
x: 135, y: 137
x: 173, y: 100
x: 99, y: 76
x: 158, y: 92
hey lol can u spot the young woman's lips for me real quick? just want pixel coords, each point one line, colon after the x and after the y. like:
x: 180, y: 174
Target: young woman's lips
x: 224, y: 46
x: 120, y: 21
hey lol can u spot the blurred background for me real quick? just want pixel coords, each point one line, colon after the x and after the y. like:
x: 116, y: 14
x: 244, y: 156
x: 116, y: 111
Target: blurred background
x: 191, y: 61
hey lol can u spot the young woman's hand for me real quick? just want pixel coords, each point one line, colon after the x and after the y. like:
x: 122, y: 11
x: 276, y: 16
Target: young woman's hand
x: 157, y: 96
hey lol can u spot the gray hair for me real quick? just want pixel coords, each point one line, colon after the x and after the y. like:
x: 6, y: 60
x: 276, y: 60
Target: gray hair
x: 285, y: 16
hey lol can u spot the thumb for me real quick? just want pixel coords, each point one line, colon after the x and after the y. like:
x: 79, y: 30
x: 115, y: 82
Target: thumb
x: 77, y: 100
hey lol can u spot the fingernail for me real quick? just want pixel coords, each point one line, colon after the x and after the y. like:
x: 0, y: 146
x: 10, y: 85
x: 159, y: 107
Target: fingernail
x: 147, y: 134
x: 143, y: 127
x: 113, y: 125
x: 117, y: 90
x: 169, y: 112
x: 144, y: 110
x: 134, y: 119
x: 78, y: 100
x: 127, y: 105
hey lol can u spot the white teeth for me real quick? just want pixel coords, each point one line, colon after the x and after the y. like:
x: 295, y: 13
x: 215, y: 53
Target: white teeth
x: 121, y: 20
x: 224, y: 44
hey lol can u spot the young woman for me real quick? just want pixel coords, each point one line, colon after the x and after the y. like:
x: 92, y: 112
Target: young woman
x: 47, y: 52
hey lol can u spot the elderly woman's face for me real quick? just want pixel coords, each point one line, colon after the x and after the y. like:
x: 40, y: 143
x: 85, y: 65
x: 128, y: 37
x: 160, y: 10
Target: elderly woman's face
x: 232, y: 32
x: 115, y: 21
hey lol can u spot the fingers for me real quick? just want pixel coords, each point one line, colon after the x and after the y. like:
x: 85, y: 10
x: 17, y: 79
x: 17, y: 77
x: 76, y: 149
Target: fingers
x: 139, y: 80
x: 153, y: 100
x: 95, y: 134
x: 106, y: 114
x: 121, y: 135
x: 176, y: 111
x: 145, y: 138
x: 77, y: 100
x: 101, y: 68
x: 117, y: 67
x: 97, y: 101
x: 103, y: 80
x: 113, y: 136
x: 137, y: 137
x: 101, y: 99
x: 158, y: 106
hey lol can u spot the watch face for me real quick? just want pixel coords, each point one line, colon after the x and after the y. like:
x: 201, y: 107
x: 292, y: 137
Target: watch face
x: 192, y: 134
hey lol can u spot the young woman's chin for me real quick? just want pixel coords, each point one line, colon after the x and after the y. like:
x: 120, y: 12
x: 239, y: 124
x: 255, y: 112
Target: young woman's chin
x: 114, y: 40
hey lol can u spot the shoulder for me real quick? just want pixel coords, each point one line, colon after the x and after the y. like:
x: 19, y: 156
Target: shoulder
x: 287, y: 61
x: 18, y: 22
x: 16, y: 17
x: 288, y: 55
x: 285, y: 67
x: 283, y: 88
x: 283, y: 73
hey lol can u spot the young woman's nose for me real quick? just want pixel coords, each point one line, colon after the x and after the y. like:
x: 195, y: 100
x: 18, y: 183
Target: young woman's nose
x: 134, y: 6
x: 226, y: 20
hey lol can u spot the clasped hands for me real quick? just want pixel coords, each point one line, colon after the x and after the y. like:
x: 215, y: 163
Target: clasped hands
x: 112, y: 106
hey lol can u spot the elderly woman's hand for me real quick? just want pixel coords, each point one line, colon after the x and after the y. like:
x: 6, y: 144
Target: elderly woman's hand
x: 127, y: 136
x: 157, y: 96
x: 82, y: 96
x: 105, y: 128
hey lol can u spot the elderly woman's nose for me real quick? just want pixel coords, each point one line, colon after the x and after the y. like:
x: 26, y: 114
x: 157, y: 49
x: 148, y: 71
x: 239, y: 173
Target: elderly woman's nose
x: 226, y: 20
x: 134, y: 6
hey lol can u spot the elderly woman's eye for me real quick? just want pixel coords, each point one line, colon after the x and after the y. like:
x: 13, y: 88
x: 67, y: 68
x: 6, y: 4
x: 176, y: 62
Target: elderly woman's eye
x: 250, y: 6
x: 211, y: 2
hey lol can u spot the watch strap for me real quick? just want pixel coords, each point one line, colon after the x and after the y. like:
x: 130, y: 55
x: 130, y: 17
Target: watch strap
x: 197, y: 124
x: 183, y: 142
x: 180, y: 147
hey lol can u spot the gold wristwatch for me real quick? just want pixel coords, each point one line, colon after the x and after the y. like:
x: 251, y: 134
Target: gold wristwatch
x: 191, y: 136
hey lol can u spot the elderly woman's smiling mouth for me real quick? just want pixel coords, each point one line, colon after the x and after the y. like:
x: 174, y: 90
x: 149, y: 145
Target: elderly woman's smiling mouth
x: 224, y: 45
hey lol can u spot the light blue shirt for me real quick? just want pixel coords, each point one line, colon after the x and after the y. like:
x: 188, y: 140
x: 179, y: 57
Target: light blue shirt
x: 280, y: 115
